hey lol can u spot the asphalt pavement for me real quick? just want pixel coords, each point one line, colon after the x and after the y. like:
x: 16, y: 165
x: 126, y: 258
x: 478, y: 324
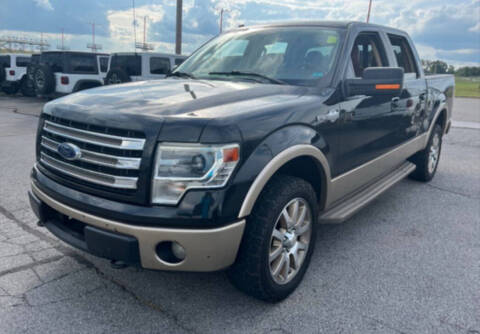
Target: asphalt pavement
x: 408, y: 263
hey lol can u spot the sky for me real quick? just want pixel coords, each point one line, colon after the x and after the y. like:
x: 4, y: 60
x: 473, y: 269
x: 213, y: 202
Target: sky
x: 448, y: 30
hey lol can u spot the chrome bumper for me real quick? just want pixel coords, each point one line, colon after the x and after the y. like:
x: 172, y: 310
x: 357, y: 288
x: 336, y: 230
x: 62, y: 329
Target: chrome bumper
x: 206, y: 250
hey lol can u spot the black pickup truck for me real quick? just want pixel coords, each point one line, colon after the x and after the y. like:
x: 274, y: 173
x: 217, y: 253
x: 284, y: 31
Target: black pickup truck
x: 232, y: 161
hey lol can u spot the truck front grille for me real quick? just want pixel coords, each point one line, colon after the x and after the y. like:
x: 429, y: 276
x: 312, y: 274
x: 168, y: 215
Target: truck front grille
x: 109, y: 158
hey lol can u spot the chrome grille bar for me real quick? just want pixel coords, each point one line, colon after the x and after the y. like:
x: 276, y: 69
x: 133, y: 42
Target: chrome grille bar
x: 88, y: 175
x: 97, y: 158
x: 96, y: 138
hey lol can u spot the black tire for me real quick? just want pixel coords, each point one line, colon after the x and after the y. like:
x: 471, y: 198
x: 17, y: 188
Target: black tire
x: 11, y: 89
x: 27, y: 88
x: 251, y: 272
x: 44, y: 80
x: 117, y: 76
x: 424, y: 172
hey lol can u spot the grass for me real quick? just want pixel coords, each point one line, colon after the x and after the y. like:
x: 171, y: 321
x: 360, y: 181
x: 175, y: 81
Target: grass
x: 467, y: 87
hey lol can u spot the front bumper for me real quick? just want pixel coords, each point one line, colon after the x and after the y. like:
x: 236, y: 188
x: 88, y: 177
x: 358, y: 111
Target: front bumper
x: 205, y: 249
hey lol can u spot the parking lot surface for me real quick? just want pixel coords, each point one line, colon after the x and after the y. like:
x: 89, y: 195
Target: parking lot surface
x: 408, y: 263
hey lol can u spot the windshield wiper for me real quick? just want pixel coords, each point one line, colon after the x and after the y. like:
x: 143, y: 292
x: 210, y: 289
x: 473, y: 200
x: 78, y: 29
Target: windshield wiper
x: 251, y: 74
x: 181, y: 75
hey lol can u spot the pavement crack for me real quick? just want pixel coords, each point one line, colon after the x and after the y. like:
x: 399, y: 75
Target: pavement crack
x: 452, y: 191
x: 30, y: 266
x: 172, y: 316
x: 384, y: 324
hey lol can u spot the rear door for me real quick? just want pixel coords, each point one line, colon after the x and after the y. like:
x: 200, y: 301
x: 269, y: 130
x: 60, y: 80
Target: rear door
x: 367, y: 127
x: 413, y: 101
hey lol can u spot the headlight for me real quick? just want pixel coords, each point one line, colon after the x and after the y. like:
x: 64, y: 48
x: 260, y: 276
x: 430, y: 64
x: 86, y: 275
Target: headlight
x: 179, y: 168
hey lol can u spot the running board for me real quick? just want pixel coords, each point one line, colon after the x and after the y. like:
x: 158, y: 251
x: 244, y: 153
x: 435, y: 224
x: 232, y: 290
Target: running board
x: 346, y: 209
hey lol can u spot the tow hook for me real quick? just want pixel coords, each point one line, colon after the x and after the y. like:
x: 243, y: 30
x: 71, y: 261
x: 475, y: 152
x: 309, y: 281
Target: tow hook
x: 118, y: 264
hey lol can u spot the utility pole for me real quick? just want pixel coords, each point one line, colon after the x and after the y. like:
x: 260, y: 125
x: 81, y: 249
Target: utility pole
x: 221, y: 20
x: 178, y: 37
x: 222, y: 12
x: 134, y: 28
x: 94, y: 47
x: 369, y: 11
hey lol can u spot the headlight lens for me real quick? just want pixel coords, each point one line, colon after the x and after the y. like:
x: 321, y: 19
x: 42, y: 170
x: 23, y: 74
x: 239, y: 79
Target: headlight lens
x: 179, y: 168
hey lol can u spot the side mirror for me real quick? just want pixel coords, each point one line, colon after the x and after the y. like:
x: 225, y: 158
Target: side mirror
x: 377, y: 81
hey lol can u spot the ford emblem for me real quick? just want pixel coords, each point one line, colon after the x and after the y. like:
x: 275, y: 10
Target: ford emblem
x: 69, y: 151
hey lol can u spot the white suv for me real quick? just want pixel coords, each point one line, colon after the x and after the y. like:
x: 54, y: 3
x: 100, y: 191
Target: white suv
x: 126, y: 67
x: 64, y: 72
x: 13, y: 69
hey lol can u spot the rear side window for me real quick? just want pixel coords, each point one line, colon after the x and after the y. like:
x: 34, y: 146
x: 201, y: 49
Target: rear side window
x: 5, y: 61
x: 103, y: 64
x: 159, y: 65
x: 22, y: 61
x: 82, y: 63
x: 404, y: 54
x: 131, y: 64
x: 178, y: 61
x: 54, y: 60
x: 367, y: 51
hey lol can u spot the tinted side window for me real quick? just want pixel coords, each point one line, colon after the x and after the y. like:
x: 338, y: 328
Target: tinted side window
x: 367, y: 51
x: 55, y: 60
x: 130, y: 64
x: 103, y: 64
x: 159, y: 65
x: 178, y: 61
x: 5, y: 61
x: 82, y: 63
x: 22, y: 61
x: 403, y: 54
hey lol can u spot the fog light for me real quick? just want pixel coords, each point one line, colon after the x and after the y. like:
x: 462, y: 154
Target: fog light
x: 170, y: 252
x: 178, y: 251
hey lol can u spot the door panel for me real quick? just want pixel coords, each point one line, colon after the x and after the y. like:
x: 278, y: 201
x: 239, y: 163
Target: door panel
x: 368, y: 124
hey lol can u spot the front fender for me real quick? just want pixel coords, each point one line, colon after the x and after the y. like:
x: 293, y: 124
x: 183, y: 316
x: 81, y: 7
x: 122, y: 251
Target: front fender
x: 275, y: 151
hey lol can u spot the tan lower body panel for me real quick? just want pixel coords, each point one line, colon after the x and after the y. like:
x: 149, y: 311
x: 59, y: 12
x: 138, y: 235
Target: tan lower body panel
x: 206, y: 250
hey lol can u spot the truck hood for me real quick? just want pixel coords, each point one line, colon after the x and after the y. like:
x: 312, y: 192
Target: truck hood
x: 182, y: 107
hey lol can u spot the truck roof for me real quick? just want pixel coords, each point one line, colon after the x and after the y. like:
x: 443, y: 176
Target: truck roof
x: 77, y: 52
x: 148, y: 53
x: 332, y: 24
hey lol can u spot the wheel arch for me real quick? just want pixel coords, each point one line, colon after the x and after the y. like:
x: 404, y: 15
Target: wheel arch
x: 290, y: 161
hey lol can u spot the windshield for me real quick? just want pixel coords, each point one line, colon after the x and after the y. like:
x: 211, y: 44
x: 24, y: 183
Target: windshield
x: 295, y: 55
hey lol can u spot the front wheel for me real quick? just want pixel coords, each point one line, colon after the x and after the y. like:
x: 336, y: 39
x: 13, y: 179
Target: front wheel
x: 278, y: 241
x: 427, y: 160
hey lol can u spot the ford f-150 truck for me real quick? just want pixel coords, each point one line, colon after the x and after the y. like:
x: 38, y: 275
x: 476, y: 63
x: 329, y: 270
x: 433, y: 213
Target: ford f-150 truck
x: 231, y: 161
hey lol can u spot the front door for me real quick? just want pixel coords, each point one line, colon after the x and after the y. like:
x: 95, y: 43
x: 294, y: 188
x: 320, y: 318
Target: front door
x: 368, y: 122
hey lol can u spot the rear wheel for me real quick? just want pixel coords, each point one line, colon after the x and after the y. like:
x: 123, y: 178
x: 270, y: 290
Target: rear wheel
x: 278, y: 241
x: 27, y: 88
x: 427, y: 160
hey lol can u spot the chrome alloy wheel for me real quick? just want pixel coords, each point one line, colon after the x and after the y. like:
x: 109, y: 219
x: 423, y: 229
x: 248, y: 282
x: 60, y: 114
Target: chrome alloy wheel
x: 434, y: 153
x: 290, y: 241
